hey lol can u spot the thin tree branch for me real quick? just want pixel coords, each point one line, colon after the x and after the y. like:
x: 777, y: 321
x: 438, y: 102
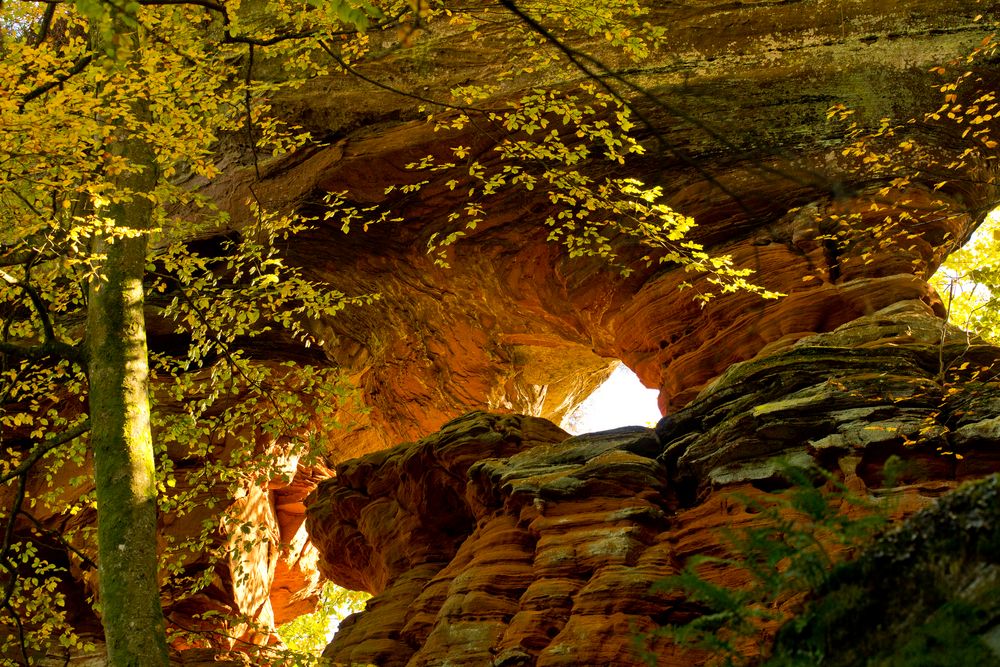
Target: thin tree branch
x: 207, y: 4
x: 84, y: 559
x: 44, y: 448
x: 20, y: 628
x: 229, y: 38
x: 80, y: 65
x: 248, y: 109
x: 44, y: 25
x: 13, y: 257
x: 8, y: 532
x: 5, y: 562
x: 208, y: 631
x: 384, y: 86
x: 229, y: 357
x: 577, y: 58
x: 48, y: 333
x: 44, y: 351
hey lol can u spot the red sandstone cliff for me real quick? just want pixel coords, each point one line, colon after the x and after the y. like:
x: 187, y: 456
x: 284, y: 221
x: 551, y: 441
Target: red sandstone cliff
x: 498, y: 538
x: 501, y: 541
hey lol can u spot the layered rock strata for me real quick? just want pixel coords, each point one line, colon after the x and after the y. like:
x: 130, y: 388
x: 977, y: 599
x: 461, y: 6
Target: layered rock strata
x: 517, y: 326
x: 501, y: 541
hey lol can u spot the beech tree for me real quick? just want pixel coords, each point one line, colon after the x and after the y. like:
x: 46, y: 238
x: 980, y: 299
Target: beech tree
x: 118, y: 381
x: 98, y: 119
x: 109, y: 114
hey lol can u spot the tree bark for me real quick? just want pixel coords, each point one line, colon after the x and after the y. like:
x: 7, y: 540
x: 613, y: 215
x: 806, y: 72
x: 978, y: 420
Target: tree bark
x: 119, y: 412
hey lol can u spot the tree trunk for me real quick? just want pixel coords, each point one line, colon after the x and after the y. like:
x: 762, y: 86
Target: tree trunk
x: 119, y: 412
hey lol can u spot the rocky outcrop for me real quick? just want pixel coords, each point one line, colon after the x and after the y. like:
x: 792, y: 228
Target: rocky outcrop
x: 547, y: 554
x: 738, y: 139
x: 923, y: 594
x: 568, y: 536
x: 515, y: 325
x: 518, y: 568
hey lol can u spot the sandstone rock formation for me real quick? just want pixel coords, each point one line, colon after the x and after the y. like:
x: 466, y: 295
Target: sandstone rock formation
x: 500, y: 538
x: 549, y: 546
x: 925, y: 593
x: 750, y: 155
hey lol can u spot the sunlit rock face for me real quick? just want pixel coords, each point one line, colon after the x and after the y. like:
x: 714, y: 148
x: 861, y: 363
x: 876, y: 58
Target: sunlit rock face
x: 546, y: 546
x: 500, y: 541
x: 742, y: 144
x: 515, y: 326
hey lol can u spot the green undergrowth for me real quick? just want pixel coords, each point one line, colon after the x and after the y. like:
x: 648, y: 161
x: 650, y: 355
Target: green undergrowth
x: 924, y: 593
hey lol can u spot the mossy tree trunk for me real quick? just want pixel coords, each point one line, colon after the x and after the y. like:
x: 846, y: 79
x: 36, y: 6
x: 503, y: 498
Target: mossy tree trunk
x: 120, y: 434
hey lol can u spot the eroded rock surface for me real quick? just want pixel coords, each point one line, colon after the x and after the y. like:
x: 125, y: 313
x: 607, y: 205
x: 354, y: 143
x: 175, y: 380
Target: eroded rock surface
x: 517, y: 326
x: 751, y: 157
x: 546, y: 555
x: 926, y: 593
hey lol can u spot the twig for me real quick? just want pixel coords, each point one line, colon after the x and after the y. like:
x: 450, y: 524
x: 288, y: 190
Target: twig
x: 44, y: 448
x: 84, y: 559
x: 384, y: 86
x: 44, y: 25
x: 230, y: 359
x: 80, y: 65
x: 248, y: 109
x: 577, y: 58
x: 20, y: 632
x: 48, y: 333
x: 8, y: 536
x: 43, y: 351
x: 8, y: 533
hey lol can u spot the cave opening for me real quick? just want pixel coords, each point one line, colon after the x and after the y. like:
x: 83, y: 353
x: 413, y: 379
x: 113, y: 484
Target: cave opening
x: 621, y: 400
x: 967, y: 280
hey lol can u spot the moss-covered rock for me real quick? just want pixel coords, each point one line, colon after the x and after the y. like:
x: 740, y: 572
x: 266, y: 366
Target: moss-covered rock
x: 927, y: 593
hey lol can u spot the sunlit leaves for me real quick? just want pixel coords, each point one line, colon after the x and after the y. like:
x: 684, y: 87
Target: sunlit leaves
x: 246, y: 424
x: 309, y: 634
x: 549, y: 142
x: 40, y: 603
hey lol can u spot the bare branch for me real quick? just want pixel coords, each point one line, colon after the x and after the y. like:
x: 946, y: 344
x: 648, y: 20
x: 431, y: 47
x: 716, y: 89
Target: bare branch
x: 229, y: 38
x: 20, y: 628
x: 207, y: 4
x: 44, y: 25
x: 8, y: 534
x: 598, y: 72
x: 8, y: 537
x: 384, y: 86
x: 247, y: 104
x: 43, y: 351
x: 14, y: 257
